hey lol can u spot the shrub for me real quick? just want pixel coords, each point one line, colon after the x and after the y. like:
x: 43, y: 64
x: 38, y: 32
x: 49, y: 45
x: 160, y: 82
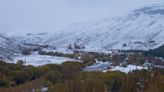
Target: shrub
x: 52, y: 76
x: 20, y: 62
x: 87, y: 60
x: 26, y: 51
x: 4, y: 83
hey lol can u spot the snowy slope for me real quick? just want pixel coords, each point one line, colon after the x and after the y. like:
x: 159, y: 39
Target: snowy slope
x: 142, y: 29
x: 26, y: 37
x: 7, y: 46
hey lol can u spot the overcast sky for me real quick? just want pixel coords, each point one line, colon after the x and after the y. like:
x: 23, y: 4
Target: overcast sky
x: 50, y: 15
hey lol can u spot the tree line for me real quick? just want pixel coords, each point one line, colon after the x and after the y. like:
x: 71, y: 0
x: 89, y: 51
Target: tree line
x: 69, y: 77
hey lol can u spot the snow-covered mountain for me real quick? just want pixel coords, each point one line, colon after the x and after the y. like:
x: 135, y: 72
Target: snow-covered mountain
x: 142, y: 29
x: 7, y: 46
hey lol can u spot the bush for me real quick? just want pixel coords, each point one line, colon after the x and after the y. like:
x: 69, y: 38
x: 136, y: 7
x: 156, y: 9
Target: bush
x: 53, y: 76
x: 87, y: 60
x: 26, y: 52
x: 71, y: 69
x: 4, y: 83
x: 20, y: 62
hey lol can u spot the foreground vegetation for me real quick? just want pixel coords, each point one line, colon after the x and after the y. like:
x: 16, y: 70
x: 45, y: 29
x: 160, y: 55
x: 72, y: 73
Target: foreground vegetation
x: 69, y: 77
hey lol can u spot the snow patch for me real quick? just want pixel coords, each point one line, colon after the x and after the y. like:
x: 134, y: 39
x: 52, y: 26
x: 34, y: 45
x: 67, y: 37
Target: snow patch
x: 127, y: 69
x: 39, y: 60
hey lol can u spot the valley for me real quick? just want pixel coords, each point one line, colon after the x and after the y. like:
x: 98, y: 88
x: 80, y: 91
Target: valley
x: 112, y: 54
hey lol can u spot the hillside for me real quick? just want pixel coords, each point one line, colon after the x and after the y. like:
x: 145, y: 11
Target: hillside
x: 7, y: 47
x: 142, y: 29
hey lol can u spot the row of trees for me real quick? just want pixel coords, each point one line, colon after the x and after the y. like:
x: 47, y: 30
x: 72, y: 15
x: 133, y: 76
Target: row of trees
x: 51, y: 53
x: 138, y: 81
